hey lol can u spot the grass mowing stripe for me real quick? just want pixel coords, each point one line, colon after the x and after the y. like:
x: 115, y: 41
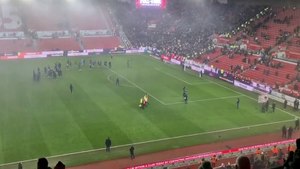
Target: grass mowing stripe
x: 201, y: 100
x: 92, y: 105
x: 110, y: 80
x: 173, y: 76
x: 121, y: 107
x: 200, y: 83
x: 161, y: 102
x: 157, y: 140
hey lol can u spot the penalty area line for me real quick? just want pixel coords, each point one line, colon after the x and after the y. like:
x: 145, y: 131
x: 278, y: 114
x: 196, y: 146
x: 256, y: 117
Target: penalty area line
x: 209, y: 99
x: 153, y: 141
x: 251, y: 98
x: 173, y: 76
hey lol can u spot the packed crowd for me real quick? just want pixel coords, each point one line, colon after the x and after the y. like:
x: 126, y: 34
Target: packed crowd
x: 276, y: 158
x: 271, y: 17
x: 184, y: 28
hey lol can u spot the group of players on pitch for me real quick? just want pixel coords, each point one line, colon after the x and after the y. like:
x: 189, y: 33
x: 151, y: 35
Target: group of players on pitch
x: 144, y: 101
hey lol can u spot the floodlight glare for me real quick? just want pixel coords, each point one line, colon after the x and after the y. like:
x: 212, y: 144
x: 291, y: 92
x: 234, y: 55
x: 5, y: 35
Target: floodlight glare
x: 70, y: 1
x: 4, y: 1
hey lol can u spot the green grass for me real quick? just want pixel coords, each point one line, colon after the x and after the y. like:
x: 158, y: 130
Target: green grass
x: 45, y: 119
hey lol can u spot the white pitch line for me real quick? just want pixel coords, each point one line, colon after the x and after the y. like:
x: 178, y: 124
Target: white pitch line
x: 174, y: 76
x: 250, y: 97
x: 161, y: 102
x: 109, y: 79
x: 153, y: 141
x: 209, y: 99
x: 200, y: 83
x: 193, y: 84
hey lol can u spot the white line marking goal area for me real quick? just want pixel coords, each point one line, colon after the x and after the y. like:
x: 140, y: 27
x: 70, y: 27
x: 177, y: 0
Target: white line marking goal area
x: 175, y: 77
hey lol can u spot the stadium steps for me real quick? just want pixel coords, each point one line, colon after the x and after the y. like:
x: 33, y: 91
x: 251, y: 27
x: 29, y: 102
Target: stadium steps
x: 217, y: 53
x: 224, y: 62
x: 58, y: 44
x: 100, y: 42
x: 272, y: 79
x: 16, y: 45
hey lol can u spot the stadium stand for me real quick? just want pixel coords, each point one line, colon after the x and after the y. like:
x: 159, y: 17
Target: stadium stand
x: 100, y: 42
x: 230, y: 63
x: 261, y: 156
x: 16, y: 45
x: 189, y: 35
x: 273, y: 76
x: 58, y: 44
x: 25, y: 31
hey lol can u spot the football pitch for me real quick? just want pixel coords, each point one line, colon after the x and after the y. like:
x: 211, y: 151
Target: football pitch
x: 44, y: 119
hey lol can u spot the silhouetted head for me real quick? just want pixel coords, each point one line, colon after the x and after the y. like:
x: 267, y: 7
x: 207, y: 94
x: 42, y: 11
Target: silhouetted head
x: 243, y: 162
x: 298, y: 143
x: 42, y: 163
x: 206, y: 165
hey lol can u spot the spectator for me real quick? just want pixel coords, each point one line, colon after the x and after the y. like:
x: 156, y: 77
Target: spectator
x: 243, y: 162
x: 288, y: 162
x: 275, y: 150
x: 213, y: 161
x: 20, y: 166
x: 296, y: 160
x: 183, y: 29
x: 42, y: 163
x: 206, y: 165
x: 60, y: 165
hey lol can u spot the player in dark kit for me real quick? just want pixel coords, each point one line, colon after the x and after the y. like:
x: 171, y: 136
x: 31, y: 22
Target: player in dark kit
x: 283, y: 131
x: 184, y: 90
x: 117, y: 82
x: 185, y: 94
x: 273, y: 107
x: 297, y: 124
x: 285, y: 104
x: 238, y: 103
x: 185, y: 98
x: 71, y: 88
